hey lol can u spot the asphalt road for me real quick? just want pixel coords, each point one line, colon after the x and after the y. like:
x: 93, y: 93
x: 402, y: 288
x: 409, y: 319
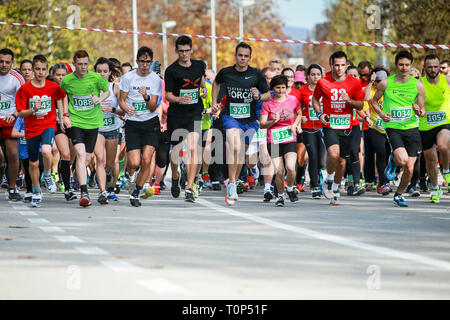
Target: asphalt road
x: 169, y: 249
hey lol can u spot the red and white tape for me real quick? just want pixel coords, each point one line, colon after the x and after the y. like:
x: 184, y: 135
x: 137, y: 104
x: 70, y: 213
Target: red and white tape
x: 314, y: 42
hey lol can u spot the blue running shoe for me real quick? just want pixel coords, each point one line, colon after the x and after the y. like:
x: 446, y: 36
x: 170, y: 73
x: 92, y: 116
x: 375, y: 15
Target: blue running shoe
x: 391, y: 168
x: 400, y: 201
x: 112, y: 196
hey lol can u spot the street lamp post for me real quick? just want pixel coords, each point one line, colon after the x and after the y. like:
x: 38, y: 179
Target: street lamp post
x: 135, y: 29
x: 242, y: 5
x: 165, y: 25
x: 213, y: 34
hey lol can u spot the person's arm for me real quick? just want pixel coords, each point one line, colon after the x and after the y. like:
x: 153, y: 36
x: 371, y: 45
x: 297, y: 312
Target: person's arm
x: 214, y: 94
x: 298, y: 118
x: 123, y: 105
x: 419, y: 106
x: 103, y: 97
x: 17, y: 134
x: 381, y: 87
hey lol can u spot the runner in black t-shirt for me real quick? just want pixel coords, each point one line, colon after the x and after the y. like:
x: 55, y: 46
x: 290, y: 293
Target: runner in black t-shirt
x: 244, y: 87
x: 185, y: 87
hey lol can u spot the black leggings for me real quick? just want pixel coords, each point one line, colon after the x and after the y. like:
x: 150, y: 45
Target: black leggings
x: 375, y: 143
x: 162, y: 151
x: 26, y: 169
x: 312, y: 138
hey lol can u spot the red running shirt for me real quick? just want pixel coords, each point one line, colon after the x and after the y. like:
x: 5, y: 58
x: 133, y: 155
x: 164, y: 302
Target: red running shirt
x: 45, y: 118
x: 342, y: 115
x: 313, y: 122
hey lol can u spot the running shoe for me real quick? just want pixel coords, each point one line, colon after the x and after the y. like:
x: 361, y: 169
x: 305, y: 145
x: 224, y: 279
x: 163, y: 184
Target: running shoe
x: 351, y: 191
x: 85, y: 201
x: 206, y: 180
x: 423, y: 185
x: 292, y: 196
x: 391, y: 168
x: 327, y: 189
x: 359, y: 190
x: 134, y: 201
x: 280, y: 201
x: 413, y: 192
x: 196, y: 189
x: 157, y: 188
x: 216, y: 186
x: 251, y: 182
x: 447, y: 180
x: 435, y: 195
x: 189, y: 195
x: 336, y: 199
x: 36, y: 200
x: 103, y: 197
x: 148, y: 192
x: 50, y: 184
x: 229, y: 200
x: 70, y: 195
x: 315, y: 193
x: 300, y: 187
x: 399, y: 200
x: 27, y: 197
x: 240, y: 187
x: 384, y: 190
x: 112, y: 196
x: 175, y: 188
x: 14, y: 195
x: 268, y: 195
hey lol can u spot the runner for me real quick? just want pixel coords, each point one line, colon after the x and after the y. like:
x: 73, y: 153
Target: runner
x: 341, y: 95
x: 375, y: 143
x: 36, y: 103
x: 245, y: 86
x: 435, y: 127
x: 311, y: 126
x: 185, y: 88
x: 139, y: 92
x: 107, y: 139
x: 63, y: 141
x: 282, y: 116
x: 403, y: 100
x: 445, y: 68
x: 10, y: 82
x: 302, y: 155
x: 276, y: 66
x: 83, y: 88
x: 26, y: 70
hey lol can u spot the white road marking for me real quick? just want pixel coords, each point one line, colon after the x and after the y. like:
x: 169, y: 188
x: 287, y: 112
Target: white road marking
x: 28, y: 213
x: 16, y: 206
x: 441, y: 264
x: 52, y: 229
x: 92, y: 251
x: 38, y: 221
x: 121, y: 266
x: 163, y: 286
x: 68, y: 239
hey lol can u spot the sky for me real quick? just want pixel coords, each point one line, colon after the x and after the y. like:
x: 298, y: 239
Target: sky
x: 302, y: 13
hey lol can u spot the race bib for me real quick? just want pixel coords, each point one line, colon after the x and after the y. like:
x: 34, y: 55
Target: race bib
x: 340, y: 121
x: 282, y: 135
x: 379, y: 124
x: 82, y: 102
x: 436, y: 117
x: 109, y: 121
x: 401, y: 114
x: 5, y: 108
x: 46, y: 105
x: 139, y: 107
x: 193, y: 93
x: 240, y: 110
x: 312, y: 114
x: 261, y: 135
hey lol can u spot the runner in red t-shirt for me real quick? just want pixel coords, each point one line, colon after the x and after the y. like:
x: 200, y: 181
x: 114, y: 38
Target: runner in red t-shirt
x: 312, y: 133
x: 36, y: 103
x: 341, y: 95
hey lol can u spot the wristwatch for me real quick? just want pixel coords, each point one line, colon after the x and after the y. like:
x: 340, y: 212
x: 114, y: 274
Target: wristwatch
x: 148, y: 98
x: 114, y: 110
